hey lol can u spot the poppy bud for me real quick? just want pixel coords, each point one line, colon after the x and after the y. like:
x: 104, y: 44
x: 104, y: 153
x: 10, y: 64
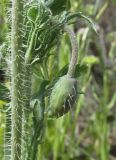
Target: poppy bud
x: 63, y: 96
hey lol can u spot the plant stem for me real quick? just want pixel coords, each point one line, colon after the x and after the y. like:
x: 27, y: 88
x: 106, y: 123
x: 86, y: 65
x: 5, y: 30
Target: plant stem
x: 35, y: 140
x: 26, y: 113
x: 16, y: 79
x: 38, y: 131
x: 74, y: 56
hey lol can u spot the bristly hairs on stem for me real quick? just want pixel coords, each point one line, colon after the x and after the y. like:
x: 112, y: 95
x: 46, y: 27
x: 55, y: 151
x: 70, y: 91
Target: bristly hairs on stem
x: 16, y: 79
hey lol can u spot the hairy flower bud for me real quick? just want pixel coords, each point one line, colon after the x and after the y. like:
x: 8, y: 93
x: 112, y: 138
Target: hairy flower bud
x: 63, y: 96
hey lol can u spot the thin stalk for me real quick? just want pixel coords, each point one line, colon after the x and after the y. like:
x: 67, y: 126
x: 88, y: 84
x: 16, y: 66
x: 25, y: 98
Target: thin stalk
x: 38, y: 132
x: 16, y: 79
x: 74, y: 56
x: 35, y: 143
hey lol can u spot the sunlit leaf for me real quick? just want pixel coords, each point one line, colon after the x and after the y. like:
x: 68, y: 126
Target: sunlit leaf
x: 90, y: 60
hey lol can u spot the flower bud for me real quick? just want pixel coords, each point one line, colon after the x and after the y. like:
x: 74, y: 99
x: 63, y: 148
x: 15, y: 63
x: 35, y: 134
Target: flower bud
x: 63, y: 96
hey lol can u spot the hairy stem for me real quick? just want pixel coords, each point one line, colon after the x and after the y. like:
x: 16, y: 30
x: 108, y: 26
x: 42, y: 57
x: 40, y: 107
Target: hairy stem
x: 26, y: 131
x: 16, y: 79
x: 74, y: 56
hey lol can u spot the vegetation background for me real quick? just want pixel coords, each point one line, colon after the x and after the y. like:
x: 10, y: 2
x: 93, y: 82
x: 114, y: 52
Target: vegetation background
x: 88, y: 132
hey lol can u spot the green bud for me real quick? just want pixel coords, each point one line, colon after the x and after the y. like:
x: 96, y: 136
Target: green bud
x: 63, y: 96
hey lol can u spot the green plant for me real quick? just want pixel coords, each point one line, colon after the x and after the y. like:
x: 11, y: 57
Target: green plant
x: 36, y: 28
x: 64, y: 93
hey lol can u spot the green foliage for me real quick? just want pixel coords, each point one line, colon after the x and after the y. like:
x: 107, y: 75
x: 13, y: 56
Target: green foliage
x: 58, y: 6
x: 90, y: 60
x: 33, y: 13
x: 39, y: 39
x: 86, y: 131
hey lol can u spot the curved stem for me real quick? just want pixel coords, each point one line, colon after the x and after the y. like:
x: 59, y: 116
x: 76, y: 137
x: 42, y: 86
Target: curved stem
x: 74, y: 56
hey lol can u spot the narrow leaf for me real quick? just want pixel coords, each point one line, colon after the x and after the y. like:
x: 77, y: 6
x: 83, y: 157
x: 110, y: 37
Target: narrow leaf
x: 81, y: 15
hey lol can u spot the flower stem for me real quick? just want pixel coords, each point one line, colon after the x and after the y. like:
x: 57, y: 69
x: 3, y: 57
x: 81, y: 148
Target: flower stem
x: 74, y: 56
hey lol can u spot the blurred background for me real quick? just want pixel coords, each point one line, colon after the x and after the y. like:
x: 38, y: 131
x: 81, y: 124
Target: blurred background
x: 88, y: 132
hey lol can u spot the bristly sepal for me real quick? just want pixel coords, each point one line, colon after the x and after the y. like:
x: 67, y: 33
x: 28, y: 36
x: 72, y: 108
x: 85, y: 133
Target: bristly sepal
x: 63, y: 96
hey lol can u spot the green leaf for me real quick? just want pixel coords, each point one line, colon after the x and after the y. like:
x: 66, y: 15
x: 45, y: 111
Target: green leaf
x: 41, y: 89
x: 112, y: 102
x: 90, y: 60
x: 32, y: 13
x: 80, y: 70
x: 57, y: 6
x: 81, y: 15
x: 63, y: 71
x: 36, y: 105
